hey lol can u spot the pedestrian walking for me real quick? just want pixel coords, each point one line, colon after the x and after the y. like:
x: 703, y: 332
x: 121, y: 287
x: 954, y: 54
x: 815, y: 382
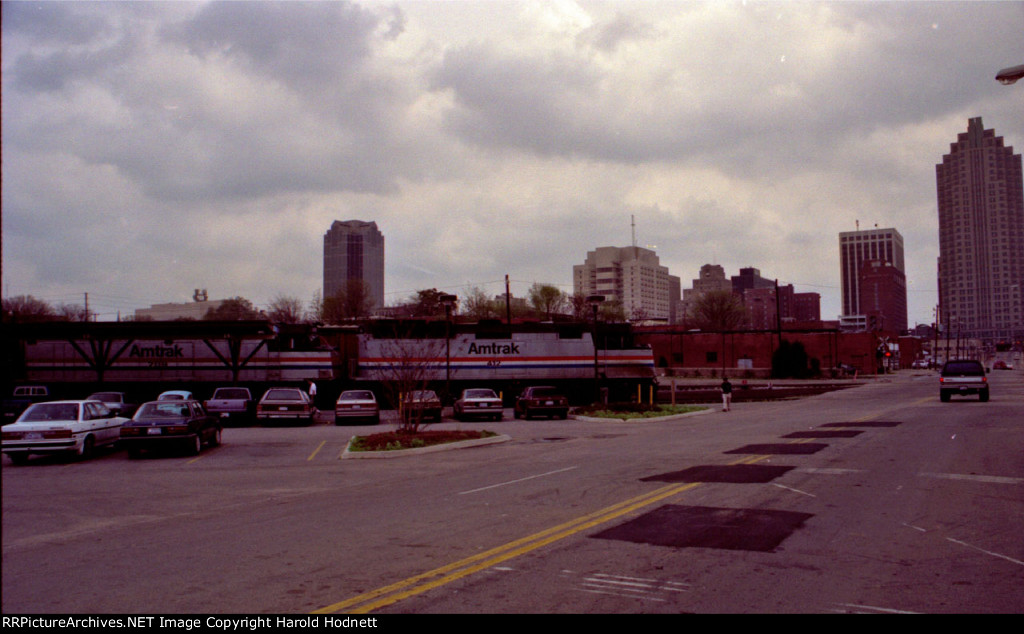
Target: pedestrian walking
x: 726, y: 394
x: 312, y: 391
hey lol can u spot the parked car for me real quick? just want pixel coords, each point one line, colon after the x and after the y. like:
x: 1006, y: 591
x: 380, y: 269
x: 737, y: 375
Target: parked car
x: 963, y: 376
x: 357, y: 405
x: 159, y: 424
x: 919, y: 364
x: 421, y: 405
x: 175, y: 395
x: 76, y: 427
x: 116, y: 402
x: 1002, y: 365
x: 284, y: 403
x: 231, y: 404
x: 478, y: 402
x: 21, y: 397
x: 542, y: 400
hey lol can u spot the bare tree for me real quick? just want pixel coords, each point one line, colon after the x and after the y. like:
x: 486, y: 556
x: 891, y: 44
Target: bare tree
x: 547, y: 299
x: 27, y: 308
x: 353, y: 301
x: 285, y: 309
x: 410, y: 364
x: 717, y: 311
x: 236, y: 308
x: 477, y: 305
x: 72, y: 312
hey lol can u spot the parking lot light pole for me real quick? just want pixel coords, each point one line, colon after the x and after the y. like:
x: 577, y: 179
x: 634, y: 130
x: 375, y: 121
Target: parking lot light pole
x: 595, y: 301
x: 448, y: 301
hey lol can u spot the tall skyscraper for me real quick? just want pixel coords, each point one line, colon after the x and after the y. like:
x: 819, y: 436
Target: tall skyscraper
x: 354, y: 250
x: 879, y: 245
x: 981, y: 236
x: 631, y: 275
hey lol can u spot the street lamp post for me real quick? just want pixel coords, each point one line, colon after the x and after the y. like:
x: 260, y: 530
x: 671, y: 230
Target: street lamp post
x: 448, y: 301
x: 595, y: 301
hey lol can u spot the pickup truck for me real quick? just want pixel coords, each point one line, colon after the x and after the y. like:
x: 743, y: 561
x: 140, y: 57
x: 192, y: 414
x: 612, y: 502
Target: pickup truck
x: 963, y: 376
x: 116, y: 402
x: 21, y: 398
x: 234, y: 403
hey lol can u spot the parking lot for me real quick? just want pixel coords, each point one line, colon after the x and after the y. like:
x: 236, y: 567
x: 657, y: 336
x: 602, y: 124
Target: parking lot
x: 892, y: 501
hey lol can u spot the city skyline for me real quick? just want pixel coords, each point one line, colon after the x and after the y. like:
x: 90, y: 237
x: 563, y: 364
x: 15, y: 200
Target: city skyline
x: 154, y: 148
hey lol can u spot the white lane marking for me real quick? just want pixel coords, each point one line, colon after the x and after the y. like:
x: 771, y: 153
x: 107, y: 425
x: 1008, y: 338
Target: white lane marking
x: 974, y: 478
x: 501, y: 484
x: 987, y: 552
x: 631, y: 587
x: 810, y: 495
x: 875, y: 609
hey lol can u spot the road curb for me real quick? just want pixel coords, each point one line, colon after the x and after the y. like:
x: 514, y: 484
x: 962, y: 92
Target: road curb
x: 401, y: 453
x: 656, y: 419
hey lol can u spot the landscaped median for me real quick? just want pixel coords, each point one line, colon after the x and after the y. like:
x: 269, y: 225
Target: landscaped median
x: 637, y: 413
x: 392, y: 444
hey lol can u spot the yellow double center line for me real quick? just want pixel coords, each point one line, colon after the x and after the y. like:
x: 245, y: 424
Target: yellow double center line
x: 446, y: 574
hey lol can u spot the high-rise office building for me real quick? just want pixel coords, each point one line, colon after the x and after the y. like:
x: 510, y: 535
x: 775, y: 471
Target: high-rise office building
x: 981, y: 236
x: 858, y: 247
x: 354, y: 250
x: 631, y: 275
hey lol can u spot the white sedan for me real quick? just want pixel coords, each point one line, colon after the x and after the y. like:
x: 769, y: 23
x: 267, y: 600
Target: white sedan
x: 478, y: 402
x: 61, y: 427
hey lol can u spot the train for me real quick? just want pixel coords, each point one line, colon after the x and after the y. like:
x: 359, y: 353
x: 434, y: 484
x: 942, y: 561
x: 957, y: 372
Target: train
x: 386, y: 356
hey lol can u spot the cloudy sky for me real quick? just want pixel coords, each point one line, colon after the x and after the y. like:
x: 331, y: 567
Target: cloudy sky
x: 152, y: 148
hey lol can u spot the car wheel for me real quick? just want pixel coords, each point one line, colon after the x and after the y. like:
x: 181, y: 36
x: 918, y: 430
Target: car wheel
x: 983, y: 396
x: 216, y: 439
x: 944, y: 397
x: 88, y: 448
x: 196, y: 446
x: 19, y: 458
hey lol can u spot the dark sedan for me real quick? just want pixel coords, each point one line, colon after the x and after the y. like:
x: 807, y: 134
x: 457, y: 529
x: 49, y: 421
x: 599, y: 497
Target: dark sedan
x: 181, y: 424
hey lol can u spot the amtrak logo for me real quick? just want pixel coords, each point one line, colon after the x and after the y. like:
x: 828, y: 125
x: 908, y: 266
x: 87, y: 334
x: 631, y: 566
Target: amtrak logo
x: 494, y: 348
x: 156, y: 352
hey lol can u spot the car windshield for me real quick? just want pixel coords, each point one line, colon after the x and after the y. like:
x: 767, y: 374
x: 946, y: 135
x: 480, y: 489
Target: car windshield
x: 545, y: 392
x: 481, y: 394
x: 356, y: 396
x: 106, y: 397
x: 423, y: 395
x: 162, y: 410
x: 283, y: 395
x: 51, y: 411
x: 231, y: 394
x: 964, y: 367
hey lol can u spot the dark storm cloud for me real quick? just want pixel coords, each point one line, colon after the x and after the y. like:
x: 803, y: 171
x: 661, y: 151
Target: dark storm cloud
x: 764, y: 101
x: 54, y: 22
x: 305, y: 45
x: 301, y: 112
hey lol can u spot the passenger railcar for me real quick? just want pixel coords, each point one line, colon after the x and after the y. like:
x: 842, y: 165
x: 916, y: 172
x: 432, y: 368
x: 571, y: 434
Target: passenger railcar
x: 199, y: 354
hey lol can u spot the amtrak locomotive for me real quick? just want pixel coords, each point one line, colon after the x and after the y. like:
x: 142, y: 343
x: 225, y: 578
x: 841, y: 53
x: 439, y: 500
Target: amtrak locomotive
x: 203, y: 355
